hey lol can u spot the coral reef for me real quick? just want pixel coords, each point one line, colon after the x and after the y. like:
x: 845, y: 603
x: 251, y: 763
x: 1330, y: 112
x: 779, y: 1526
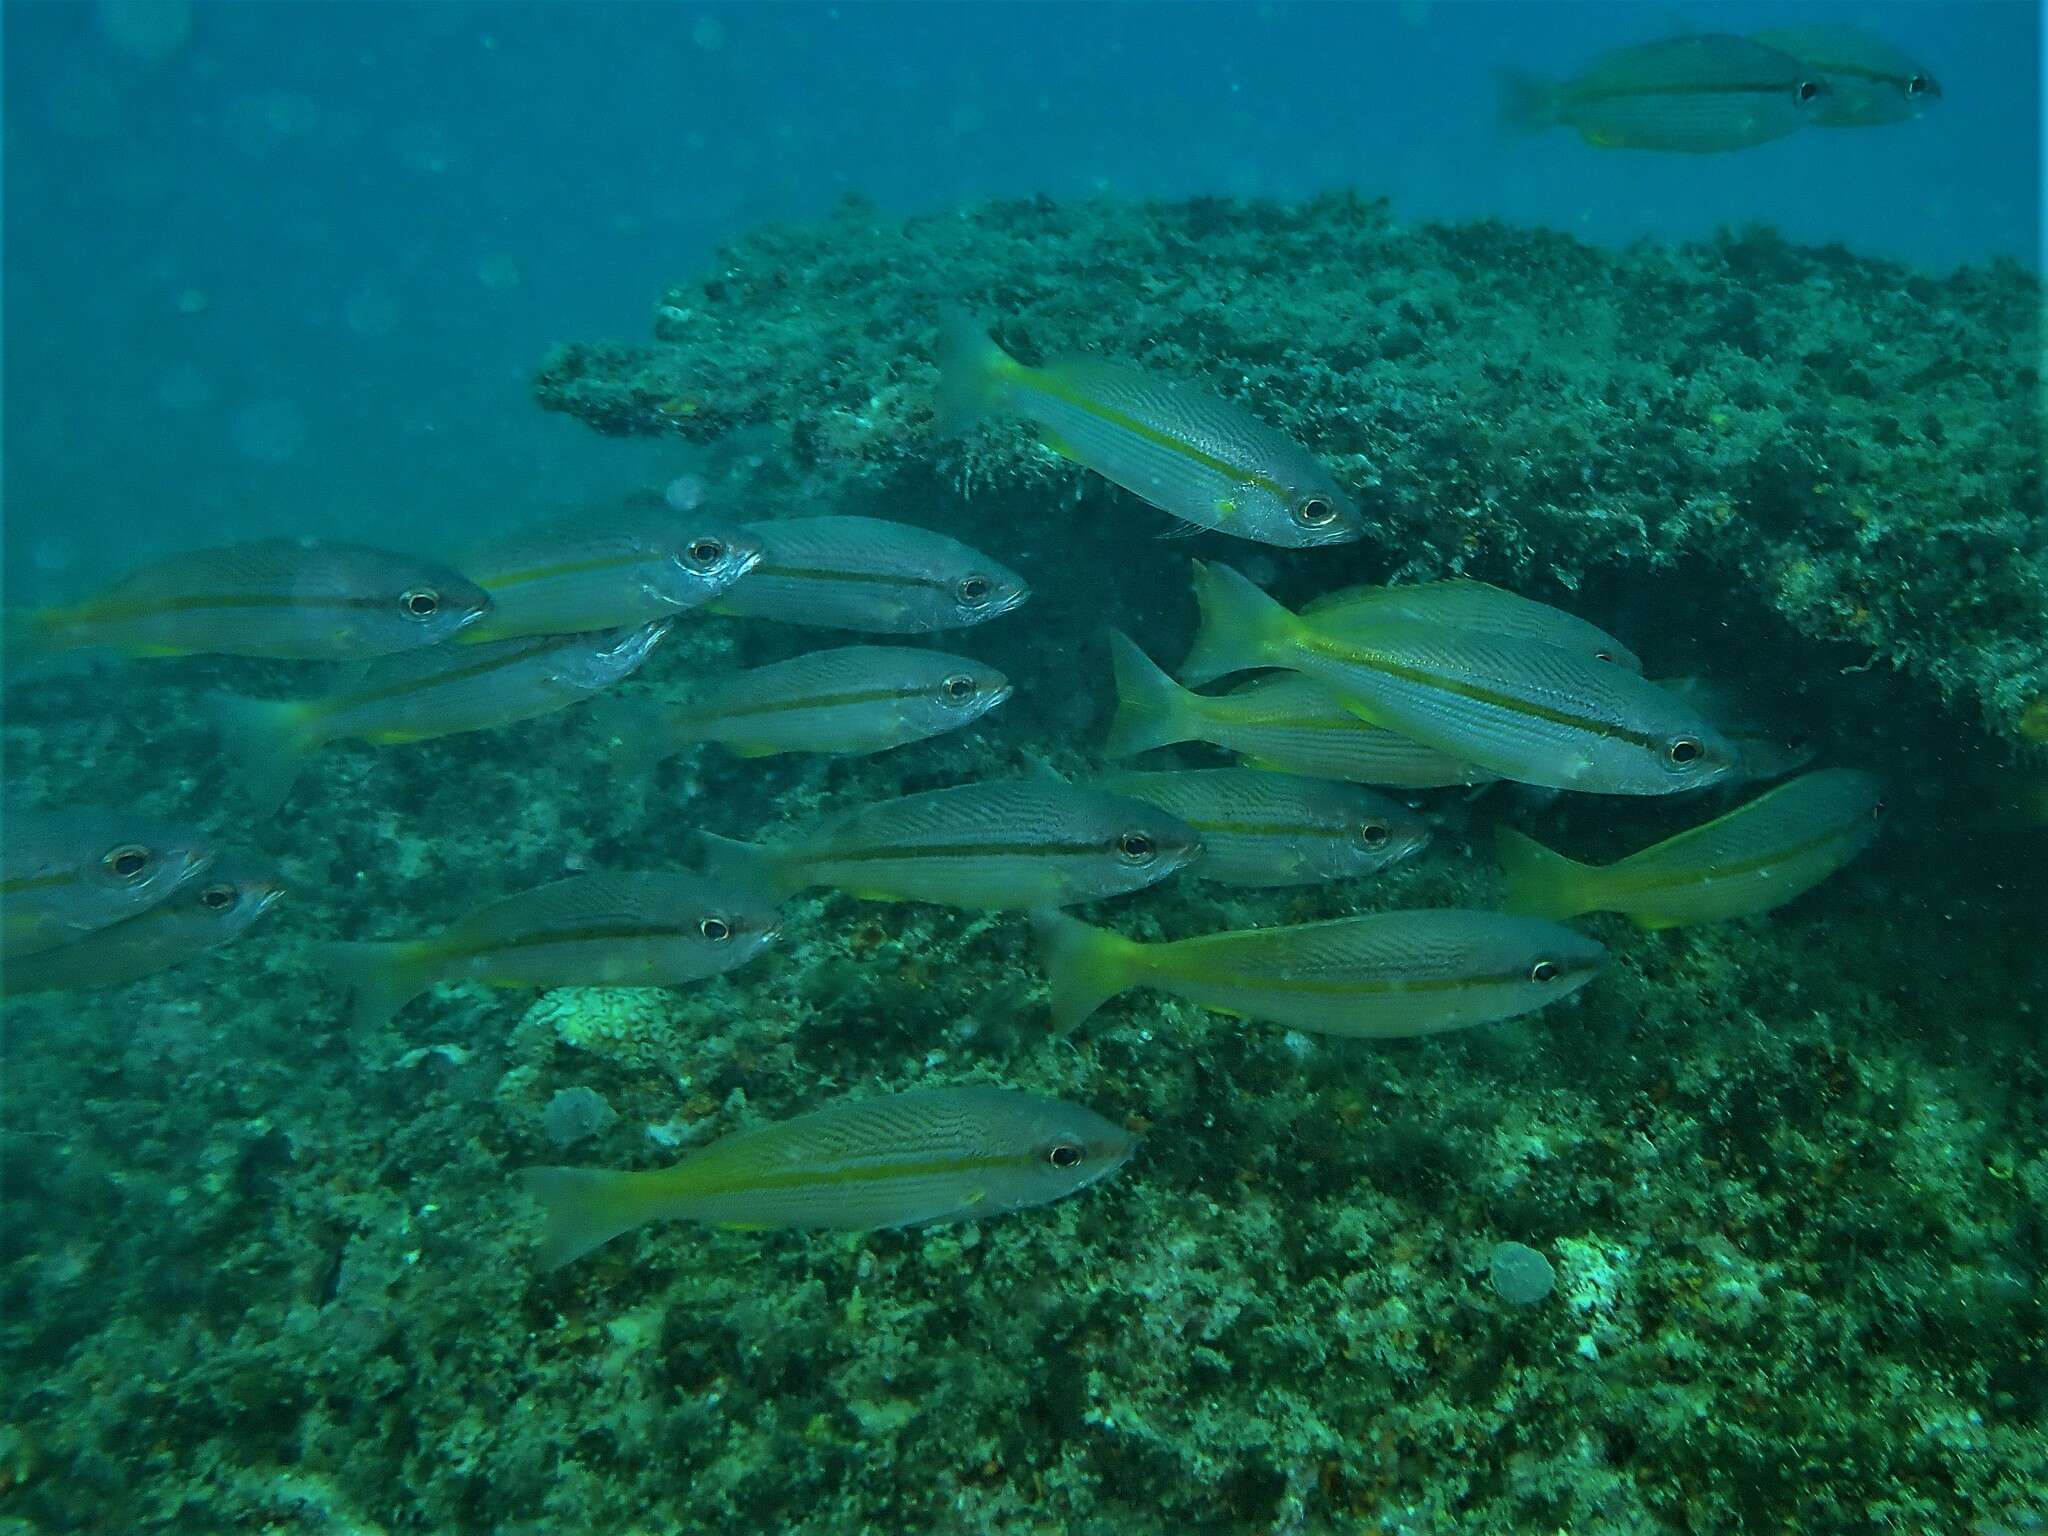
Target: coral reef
x: 1760, y: 432
x: 260, y: 1271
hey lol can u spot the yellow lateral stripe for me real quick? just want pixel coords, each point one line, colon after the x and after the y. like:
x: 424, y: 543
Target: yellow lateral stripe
x: 1754, y: 864
x: 1042, y: 380
x: 142, y: 608
x: 539, y: 646
x: 853, y: 1173
x: 1347, y: 987
x: 568, y: 568
x: 1318, y: 645
x: 818, y: 701
x: 38, y: 882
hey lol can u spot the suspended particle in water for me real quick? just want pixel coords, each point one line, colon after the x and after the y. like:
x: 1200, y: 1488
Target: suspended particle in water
x: 498, y: 272
x: 1521, y: 1276
x: 685, y: 493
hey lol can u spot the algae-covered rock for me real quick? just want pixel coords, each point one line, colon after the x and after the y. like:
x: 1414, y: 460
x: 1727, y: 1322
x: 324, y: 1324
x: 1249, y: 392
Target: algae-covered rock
x: 1747, y: 428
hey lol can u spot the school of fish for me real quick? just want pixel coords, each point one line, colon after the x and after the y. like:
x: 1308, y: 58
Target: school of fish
x: 1341, y: 714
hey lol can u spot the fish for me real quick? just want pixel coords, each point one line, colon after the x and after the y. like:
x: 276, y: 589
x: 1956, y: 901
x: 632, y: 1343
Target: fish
x: 613, y: 570
x: 1869, y: 80
x: 283, y: 599
x: 1467, y: 604
x: 1756, y: 857
x: 67, y: 873
x: 200, y: 915
x: 1693, y: 95
x: 857, y: 699
x: 1004, y: 844
x: 898, y: 1160
x: 2034, y: 719
x: 419, y: 696
x: 1204, y: 459
x: 1379, y: 976
x: 1283, y: 722
x: 1765, y: 746
x: 606, y: 929
x: 862, y: 573
x: 1271, y: 829
x: 1518, y: 708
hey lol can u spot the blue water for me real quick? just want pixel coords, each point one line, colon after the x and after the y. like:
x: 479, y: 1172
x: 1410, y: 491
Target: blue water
x: 294, y: 273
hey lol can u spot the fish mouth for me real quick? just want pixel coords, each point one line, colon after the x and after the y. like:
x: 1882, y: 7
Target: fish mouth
x: 997, y: 694
x: 471, y: 616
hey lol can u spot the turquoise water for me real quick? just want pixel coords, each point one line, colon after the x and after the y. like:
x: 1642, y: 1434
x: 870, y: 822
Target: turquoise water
x: 1733, y: 1227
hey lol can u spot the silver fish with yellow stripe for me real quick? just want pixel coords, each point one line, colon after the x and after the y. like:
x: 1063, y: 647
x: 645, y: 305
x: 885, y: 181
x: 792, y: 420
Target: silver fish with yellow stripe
x: 864, y: 573
x: 1202, y: 458
x: 1273, y: 829
x: 1694, y: 95
x: 612, y: 570
x: 1756, y: 857
x: 1012, y: 843
x: 288, y: 599
x: 1466, y: 604
x: 1283, y: 722
x: 424, y: 695
x: 609, y: 929
x: 902, y: 1160
x: 1524, y: 710
x: 1381, y: 976
x: 853, y: 700
x: 67, y: 873
x: 200, y: 915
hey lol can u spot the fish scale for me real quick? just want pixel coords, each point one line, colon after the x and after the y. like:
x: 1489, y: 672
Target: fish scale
x: 900, y: 1160
x: 1382, y: 975
x: 1006, y: 844
x: 864, y: 573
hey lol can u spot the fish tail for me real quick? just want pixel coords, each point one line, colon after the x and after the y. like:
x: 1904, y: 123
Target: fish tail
x: 747, y: 865
x: 380, y: 978
x: 1540, y: 883
x: 588, y: 1207
x: 267, y: 741
x: 972, y: 373
x: 638, y: 733
x: 1240, y: 625
x: 1151, y: 708
x: 1084, y: 967
x: 1526, y: 104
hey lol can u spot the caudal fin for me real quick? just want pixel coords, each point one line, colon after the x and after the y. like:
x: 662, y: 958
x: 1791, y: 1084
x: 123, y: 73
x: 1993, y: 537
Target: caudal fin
x: 972, y: 370
x: 266, y: 741
x: 380, y: 978
x: 1151, y: 708
x: 1084, y: 967
x: 1541, y: 883
x: 586, y: 1208
x: 1241, y: 626
x: 1526, y: 105
x: 749, y: 865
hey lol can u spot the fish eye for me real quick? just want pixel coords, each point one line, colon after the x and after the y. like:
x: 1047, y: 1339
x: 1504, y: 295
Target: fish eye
x: 1684, y: 752
x: 1808, y: 90
x: 217, y: 898
x: 958, y: 687
x: 1138, y: 847
x: 706, y: 551
x: 1917, y: 86
x: 716, y: 929
x: 420, y: 603
x: 127, y: 861
x: 1543, y: 970
x: 974, y: 590
x: 1374, y: 834
x: 1063, y: 1154
x: 1316, y: 512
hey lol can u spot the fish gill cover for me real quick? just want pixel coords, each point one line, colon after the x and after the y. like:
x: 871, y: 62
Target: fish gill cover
x: 267, y: 1261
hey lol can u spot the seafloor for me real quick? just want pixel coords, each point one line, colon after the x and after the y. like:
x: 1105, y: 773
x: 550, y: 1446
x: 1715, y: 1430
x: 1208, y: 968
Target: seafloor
x: 261, y: 1273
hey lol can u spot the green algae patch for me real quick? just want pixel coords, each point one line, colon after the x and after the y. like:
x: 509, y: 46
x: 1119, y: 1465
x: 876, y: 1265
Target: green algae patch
x: 1845, y: 448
